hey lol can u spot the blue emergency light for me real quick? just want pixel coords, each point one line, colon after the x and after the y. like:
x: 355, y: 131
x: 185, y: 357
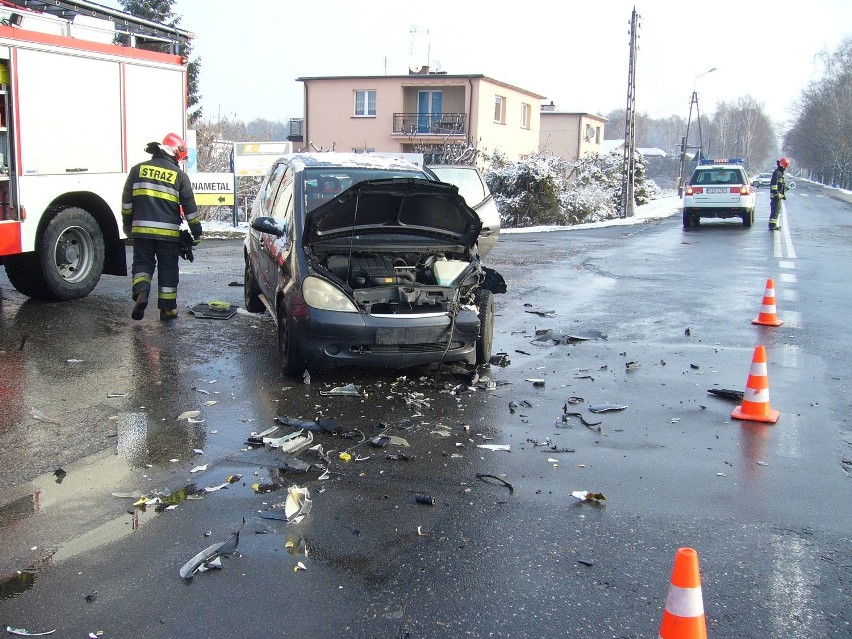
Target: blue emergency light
x: 723, y: 161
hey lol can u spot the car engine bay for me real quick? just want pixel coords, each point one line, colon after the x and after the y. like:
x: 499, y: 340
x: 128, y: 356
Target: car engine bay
x: 396, y: 283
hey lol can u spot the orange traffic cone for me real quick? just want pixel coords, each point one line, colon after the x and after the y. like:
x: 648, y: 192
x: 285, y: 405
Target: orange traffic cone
x: 768, y: 315
x: 755, y: 406
x: 683, y: 617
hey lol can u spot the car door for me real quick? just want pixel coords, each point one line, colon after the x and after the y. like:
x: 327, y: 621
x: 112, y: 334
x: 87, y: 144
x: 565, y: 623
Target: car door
x: 276, y: 250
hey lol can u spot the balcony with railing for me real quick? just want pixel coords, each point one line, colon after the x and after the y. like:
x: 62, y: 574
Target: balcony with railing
x: 429, y: 124
x: 297, y: 129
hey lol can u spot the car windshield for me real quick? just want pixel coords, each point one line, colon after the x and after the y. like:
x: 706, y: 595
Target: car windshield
x: 322, y: 184
x: 711, y: 177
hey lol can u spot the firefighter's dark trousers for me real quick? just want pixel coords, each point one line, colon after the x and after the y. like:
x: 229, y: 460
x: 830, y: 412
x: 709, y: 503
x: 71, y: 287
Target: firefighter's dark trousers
x: 146, y: 254
x: 776, y: 208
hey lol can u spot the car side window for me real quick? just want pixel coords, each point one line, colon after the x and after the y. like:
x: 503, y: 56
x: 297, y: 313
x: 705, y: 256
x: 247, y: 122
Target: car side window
x: 272, y: 185
x: 282, y: 209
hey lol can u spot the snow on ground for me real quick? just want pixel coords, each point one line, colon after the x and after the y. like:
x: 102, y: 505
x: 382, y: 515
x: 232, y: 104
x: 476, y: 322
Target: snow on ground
x: 665, y: 206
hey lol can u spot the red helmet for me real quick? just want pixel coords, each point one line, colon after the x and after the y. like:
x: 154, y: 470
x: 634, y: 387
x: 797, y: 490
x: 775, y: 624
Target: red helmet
x: 785, y: 162
x: 175, y: 146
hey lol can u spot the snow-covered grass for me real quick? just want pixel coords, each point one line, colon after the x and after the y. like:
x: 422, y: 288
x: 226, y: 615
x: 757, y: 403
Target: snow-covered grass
x: 665, y: 206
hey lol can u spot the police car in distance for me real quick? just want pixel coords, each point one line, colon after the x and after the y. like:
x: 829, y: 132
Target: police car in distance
x: 719, y: 188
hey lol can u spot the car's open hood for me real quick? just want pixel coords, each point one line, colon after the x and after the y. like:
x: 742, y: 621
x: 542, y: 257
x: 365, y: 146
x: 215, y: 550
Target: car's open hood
x: 400, y: 207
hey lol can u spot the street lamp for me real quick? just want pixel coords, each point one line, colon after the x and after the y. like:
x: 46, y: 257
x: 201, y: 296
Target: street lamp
x: 698, y: 116
x: 685, y: 138
x: 699, y: 75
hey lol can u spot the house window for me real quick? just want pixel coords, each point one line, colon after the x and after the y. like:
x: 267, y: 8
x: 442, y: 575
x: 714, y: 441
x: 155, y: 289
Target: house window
x: 526, y: 110
x: 365, y: 103
x: 597, y: 135
x: 500, y: 109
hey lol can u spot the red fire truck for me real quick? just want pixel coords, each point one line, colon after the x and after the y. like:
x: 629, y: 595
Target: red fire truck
x: 76, y: 112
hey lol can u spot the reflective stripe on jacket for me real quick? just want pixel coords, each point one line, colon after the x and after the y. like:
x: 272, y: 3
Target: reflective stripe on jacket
x: 153, y: 196
x: 777, y: 186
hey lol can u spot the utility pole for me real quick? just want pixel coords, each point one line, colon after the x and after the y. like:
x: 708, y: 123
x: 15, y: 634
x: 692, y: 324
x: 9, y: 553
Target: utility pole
x: 629, y: 165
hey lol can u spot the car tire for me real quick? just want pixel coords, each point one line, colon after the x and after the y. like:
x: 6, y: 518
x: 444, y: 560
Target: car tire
x: 485, y: 309
x: 687, y: 220
x: 251, y: 292
x: 68, y: 261
x: 748, y: 218
x: 292, y: 363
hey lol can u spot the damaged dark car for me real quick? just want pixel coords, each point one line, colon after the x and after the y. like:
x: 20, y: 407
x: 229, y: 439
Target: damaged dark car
x: 368, y: 261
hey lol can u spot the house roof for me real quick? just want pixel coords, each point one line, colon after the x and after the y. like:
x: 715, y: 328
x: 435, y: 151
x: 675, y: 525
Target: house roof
x: 591, y: 116
x: 648, y: 151
x: 422, y: 76
x: 612, y: 145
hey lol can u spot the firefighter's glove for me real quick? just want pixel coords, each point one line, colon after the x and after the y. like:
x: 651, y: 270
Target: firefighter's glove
x: 185, y: 243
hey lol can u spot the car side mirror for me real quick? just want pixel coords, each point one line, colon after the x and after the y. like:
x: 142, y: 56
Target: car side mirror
x: 268, y: 225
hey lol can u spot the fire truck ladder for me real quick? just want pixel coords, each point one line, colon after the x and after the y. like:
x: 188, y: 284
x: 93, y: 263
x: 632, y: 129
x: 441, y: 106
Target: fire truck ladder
x: 125, y: 23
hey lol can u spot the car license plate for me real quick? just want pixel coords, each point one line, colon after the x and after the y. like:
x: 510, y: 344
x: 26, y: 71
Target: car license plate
x: 717, y: 189
x: 420, y: 335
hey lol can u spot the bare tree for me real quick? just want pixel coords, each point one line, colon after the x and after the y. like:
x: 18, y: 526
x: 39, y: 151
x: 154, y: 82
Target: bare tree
x: 820, y: 139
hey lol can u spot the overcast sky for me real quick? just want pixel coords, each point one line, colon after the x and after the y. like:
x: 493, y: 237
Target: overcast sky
x: 575, y: 53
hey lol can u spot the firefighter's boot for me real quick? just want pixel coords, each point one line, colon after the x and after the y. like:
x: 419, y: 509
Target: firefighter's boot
x: 167, y: 314
x: 141, y: 304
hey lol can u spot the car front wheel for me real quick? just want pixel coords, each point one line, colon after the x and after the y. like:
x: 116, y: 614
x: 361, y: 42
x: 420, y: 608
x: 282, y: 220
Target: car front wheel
x: 484, y: 345
x: 251, y: 292
x: 291, y: 362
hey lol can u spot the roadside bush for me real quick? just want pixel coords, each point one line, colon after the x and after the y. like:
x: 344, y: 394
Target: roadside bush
x: 528, y: 192
x: 545, y: 190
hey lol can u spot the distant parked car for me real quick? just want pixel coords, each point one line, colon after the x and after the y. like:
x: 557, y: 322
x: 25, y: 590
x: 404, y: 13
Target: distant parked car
x: 367, y: 261
x: 475, y: 192
x: 762, y: 179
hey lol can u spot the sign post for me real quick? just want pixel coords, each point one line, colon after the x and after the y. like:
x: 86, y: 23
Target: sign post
x: 215, y: 189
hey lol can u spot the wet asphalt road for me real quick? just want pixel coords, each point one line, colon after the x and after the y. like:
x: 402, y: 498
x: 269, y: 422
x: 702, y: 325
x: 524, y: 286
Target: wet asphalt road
x: 765, y: 506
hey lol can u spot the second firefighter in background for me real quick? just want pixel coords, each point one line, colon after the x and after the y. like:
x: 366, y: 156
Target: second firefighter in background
x: 155, y: 194
x: 777, y: 193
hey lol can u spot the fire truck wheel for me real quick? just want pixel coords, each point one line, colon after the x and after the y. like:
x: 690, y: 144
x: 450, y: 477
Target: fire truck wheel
x: 23, y: 273
x: 71, y: 255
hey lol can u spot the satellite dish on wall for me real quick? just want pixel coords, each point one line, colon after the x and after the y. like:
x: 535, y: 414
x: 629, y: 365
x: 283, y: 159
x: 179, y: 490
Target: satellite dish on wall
x: 590, y: 132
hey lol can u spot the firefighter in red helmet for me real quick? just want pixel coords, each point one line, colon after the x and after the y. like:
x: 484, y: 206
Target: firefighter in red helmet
x: 156, y: 194
x: 777, y: 193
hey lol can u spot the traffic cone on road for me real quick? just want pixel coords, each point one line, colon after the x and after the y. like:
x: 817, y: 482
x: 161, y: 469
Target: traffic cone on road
x: 755, y: 406
x: 683, y: 617
x: 768, y: 315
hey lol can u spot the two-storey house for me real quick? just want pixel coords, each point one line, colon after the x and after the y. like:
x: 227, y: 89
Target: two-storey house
x: 419, y: 113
